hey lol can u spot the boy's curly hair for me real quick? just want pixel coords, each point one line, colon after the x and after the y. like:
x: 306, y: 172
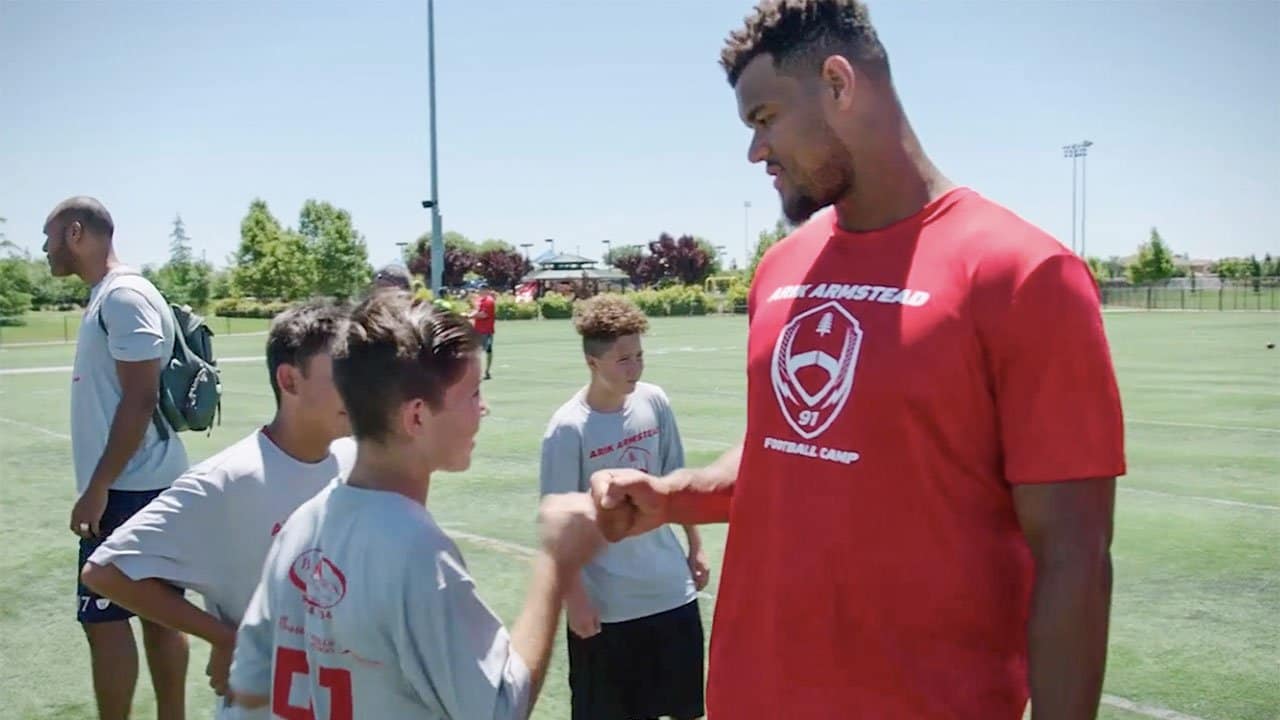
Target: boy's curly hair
x: 604, y: 318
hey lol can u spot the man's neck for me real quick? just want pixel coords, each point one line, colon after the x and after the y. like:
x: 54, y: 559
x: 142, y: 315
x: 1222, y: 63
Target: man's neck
x: 389, y: 469
x: 896, y: 181
x: 100, y: 268
x: 296, y: 440
x: 603, y: 399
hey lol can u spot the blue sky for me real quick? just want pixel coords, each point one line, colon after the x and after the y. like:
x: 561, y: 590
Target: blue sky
x: 585, y: 120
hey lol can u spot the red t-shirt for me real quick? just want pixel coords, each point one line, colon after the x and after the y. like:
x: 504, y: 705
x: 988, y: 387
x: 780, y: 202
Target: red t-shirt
x: 485, y: 306
x: 899, y: 382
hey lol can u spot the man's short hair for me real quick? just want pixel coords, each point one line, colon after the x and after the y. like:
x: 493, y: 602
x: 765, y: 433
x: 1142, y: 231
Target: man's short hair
x: 398, y: 349
x: 393, y: 276
x: 300, y: 333
x: 603, y: 319
x: 89, y: 212
x: 802, y: 34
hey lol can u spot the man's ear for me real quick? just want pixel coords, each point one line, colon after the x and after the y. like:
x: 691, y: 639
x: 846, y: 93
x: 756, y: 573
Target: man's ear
x: 840, y: 79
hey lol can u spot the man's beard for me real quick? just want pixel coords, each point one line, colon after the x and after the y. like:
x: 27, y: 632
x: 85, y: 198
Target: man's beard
x: 830, y: 182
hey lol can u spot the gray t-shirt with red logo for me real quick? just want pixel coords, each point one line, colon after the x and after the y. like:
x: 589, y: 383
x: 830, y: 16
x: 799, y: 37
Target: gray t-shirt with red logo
x: 643, y: 575
x: 365, y: 609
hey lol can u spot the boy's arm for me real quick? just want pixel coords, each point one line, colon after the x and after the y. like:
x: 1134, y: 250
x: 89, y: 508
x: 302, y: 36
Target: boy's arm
x: 561, y: 472
x: 166, y: 544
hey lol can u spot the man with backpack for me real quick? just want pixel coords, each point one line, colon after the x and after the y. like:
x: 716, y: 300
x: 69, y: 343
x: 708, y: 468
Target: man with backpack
x: 123, y: 455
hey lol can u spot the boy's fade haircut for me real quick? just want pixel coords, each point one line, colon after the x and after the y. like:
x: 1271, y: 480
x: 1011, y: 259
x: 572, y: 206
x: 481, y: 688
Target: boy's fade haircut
x: 396, y: 349
x: 303, y: 331
x: 603, y: 319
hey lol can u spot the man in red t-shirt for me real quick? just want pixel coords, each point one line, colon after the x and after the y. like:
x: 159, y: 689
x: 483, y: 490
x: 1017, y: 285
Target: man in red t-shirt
x: 482, y: 317
x: 920, y: 515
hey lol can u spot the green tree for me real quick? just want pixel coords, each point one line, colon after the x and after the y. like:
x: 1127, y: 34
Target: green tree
x: 768, y: 238
x: 15, y: 301
x: 183, y: 279
x: 460, y: 257
x: 1154, y: 262
x: 271, y: 262
x: 711, y: 251
x: 339, y: 252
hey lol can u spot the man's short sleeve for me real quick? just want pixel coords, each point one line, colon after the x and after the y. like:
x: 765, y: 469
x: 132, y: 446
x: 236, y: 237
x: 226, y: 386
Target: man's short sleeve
x: 170, y: 538
x: 1056, y: 393
x: 561, y: 469
x: 135, y: 330
x: 453, y: 651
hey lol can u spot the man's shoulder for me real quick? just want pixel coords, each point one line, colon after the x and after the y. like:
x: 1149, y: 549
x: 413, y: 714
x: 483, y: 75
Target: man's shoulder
x: 127, y: 285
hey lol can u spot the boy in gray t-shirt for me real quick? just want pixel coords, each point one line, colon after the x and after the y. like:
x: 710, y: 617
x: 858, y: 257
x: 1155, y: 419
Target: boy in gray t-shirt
x: 635, y: 633
x: 365, y: 608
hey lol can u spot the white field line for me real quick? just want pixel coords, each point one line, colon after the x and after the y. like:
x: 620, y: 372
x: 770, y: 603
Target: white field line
x: 35, y: 428
x: 1204, y: 426
x: 68, y: 368
x: 52, y: 343
x: 1201, y: 498
x: 511, y: 548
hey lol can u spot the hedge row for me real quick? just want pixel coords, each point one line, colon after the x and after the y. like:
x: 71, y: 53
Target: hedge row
x: 677, y: 300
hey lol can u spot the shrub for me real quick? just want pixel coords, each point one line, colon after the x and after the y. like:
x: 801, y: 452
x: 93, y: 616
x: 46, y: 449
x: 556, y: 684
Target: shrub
x: 555, y: 306
x: 736, y: 297
x: 652, y: 302
x: 507, y: 308
x: 249, y: 308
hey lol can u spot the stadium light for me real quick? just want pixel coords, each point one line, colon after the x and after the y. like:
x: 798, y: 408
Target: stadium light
x: 437, y: 238
x: 1078, y: 151
x: 746, y: 231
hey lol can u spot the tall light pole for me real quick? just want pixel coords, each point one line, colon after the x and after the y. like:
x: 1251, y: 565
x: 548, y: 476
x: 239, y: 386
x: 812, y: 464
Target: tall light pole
x: 746, y: 233
x: 608, y: 247
x: 1077, y: 151
x: 526, y: 247
x: 437, y: 238
x: 551, y: 243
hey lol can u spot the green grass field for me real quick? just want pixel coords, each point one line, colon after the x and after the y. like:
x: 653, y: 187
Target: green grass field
x: 1197, y: 549
x: 53, y: 327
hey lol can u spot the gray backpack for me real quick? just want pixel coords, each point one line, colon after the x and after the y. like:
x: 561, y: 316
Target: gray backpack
x: 190, y: 386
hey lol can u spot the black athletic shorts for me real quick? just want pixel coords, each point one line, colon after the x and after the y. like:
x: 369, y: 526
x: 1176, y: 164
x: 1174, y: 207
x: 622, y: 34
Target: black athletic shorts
x: 121, y: 505
x: 644, y: 668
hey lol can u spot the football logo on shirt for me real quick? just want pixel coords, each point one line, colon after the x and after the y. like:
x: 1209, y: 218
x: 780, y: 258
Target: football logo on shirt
x: 322, y: 584
x: 636, y: 458
x: 813, y: 365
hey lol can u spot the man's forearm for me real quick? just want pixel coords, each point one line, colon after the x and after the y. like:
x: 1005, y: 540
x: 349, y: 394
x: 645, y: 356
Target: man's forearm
x: 703, y: 495
x: 156, y: 601
x: 534, y: 631
x: 128, y: 427
x: 1067, y: 634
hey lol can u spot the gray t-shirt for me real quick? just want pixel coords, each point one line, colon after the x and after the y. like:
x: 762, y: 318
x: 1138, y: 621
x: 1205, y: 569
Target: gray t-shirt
x: 210, y: 531
x: 140, y: 327
x: 366, y: 610
x: 646, y: 574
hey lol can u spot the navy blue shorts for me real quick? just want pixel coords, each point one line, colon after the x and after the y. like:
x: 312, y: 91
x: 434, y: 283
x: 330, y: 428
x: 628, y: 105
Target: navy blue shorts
x: 644, y: 668
x: 486, y: 342
x: 121, y: 505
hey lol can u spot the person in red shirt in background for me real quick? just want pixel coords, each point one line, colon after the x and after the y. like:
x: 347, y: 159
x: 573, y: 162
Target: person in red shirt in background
x: 920, y: 515
x: 482, y: 318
